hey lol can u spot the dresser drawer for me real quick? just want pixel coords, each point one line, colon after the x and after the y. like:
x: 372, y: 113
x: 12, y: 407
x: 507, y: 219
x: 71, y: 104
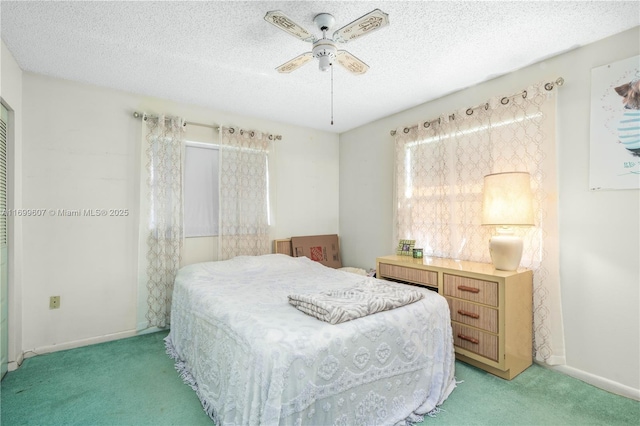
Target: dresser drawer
x: 476, y: 341
x: 475, y: 315
x: 412, y: 275
x: 471, y: 289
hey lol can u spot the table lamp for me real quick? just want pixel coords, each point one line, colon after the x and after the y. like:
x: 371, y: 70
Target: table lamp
x: 507, y: 202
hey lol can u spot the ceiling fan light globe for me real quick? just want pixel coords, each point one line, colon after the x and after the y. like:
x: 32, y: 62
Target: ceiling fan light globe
x: 325, y: 63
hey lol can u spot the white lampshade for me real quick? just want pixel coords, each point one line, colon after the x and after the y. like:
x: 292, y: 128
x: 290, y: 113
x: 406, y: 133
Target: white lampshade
x: 507, y: 201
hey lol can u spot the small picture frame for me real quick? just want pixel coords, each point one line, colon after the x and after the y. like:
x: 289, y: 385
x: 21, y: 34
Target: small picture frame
x: 405, y: 247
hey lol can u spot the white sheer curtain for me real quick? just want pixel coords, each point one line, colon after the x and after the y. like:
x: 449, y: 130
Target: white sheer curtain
x: 161, y: 225
x: 440, y: 166
x: 244, y: 195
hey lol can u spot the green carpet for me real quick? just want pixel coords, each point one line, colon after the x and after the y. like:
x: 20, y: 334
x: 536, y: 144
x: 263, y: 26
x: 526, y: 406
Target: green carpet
x: 133, y: 382
x: 538, y: 396
x: 125, y: 382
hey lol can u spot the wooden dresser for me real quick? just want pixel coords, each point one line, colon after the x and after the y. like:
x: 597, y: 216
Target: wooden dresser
x: 491, y: 310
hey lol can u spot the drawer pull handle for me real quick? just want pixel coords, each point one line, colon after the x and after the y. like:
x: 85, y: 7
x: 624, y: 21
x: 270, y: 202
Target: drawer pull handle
x: 468, y: 339
x: 469, y: 289
x: 468, y: 314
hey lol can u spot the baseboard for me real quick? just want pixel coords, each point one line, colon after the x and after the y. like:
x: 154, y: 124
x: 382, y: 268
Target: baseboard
x: 143, y: 328
x: 553, y: 360
x: 597, y: 381
x: 13, y: 365
x: 79, y: 343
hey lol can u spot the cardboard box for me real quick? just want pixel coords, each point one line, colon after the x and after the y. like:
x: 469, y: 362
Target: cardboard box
x: 321, y: 248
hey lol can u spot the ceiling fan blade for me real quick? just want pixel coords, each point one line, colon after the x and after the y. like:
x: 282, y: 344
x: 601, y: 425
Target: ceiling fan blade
x: 364, y: 25
x: 351, y: 63
x: 282, y: 21
x: 295, y: 63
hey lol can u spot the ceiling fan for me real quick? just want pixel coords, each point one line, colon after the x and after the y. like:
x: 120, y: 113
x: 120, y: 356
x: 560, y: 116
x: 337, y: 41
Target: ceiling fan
x: 324, y: 49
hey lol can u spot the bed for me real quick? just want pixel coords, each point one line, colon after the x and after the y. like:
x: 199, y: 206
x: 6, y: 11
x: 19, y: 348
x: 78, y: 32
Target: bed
x: 254, y: 359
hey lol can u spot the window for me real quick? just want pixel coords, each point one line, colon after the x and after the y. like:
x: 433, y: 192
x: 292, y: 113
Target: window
x: 201, y: 198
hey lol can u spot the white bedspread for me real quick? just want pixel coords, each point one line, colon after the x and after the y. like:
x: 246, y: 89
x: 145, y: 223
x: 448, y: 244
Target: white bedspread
x: 254, y: 359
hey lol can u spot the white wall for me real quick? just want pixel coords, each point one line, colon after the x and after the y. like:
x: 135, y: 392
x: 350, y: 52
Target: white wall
x: 11, y: 93
x: 81, y: 151
x: 599, y: 231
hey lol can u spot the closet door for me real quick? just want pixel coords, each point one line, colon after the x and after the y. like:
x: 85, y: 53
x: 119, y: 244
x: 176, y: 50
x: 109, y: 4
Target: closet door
x: 4, y: 280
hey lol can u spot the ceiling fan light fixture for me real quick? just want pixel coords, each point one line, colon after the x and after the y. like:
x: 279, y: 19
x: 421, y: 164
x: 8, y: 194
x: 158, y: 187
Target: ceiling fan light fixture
x: 325, y: 51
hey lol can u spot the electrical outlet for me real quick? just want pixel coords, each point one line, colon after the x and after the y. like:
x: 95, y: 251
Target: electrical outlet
x: 54, y: 302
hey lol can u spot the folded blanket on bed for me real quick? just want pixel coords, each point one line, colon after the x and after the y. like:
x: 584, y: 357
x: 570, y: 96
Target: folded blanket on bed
x: 366, y: 298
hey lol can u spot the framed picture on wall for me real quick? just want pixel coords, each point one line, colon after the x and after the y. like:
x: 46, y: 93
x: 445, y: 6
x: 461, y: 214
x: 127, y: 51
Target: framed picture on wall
x: 405, y: 247
x: 615, y: 126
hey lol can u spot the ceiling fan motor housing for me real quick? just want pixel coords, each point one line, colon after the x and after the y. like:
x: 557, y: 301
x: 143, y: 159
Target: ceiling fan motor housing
x: 325, y: 51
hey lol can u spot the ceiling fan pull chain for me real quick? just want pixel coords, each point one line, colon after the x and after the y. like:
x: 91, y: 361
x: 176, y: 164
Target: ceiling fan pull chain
x: 332, y: 94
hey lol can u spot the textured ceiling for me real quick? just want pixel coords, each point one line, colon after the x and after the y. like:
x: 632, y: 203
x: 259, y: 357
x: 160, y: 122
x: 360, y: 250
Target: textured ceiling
x: 223, y: 55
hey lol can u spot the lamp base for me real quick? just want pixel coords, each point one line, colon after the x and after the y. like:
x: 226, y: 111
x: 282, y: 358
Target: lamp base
x: 506, y: 252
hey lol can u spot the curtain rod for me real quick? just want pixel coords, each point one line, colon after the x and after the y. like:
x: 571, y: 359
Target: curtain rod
x: 144, y: 116
x: 504, y: 101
